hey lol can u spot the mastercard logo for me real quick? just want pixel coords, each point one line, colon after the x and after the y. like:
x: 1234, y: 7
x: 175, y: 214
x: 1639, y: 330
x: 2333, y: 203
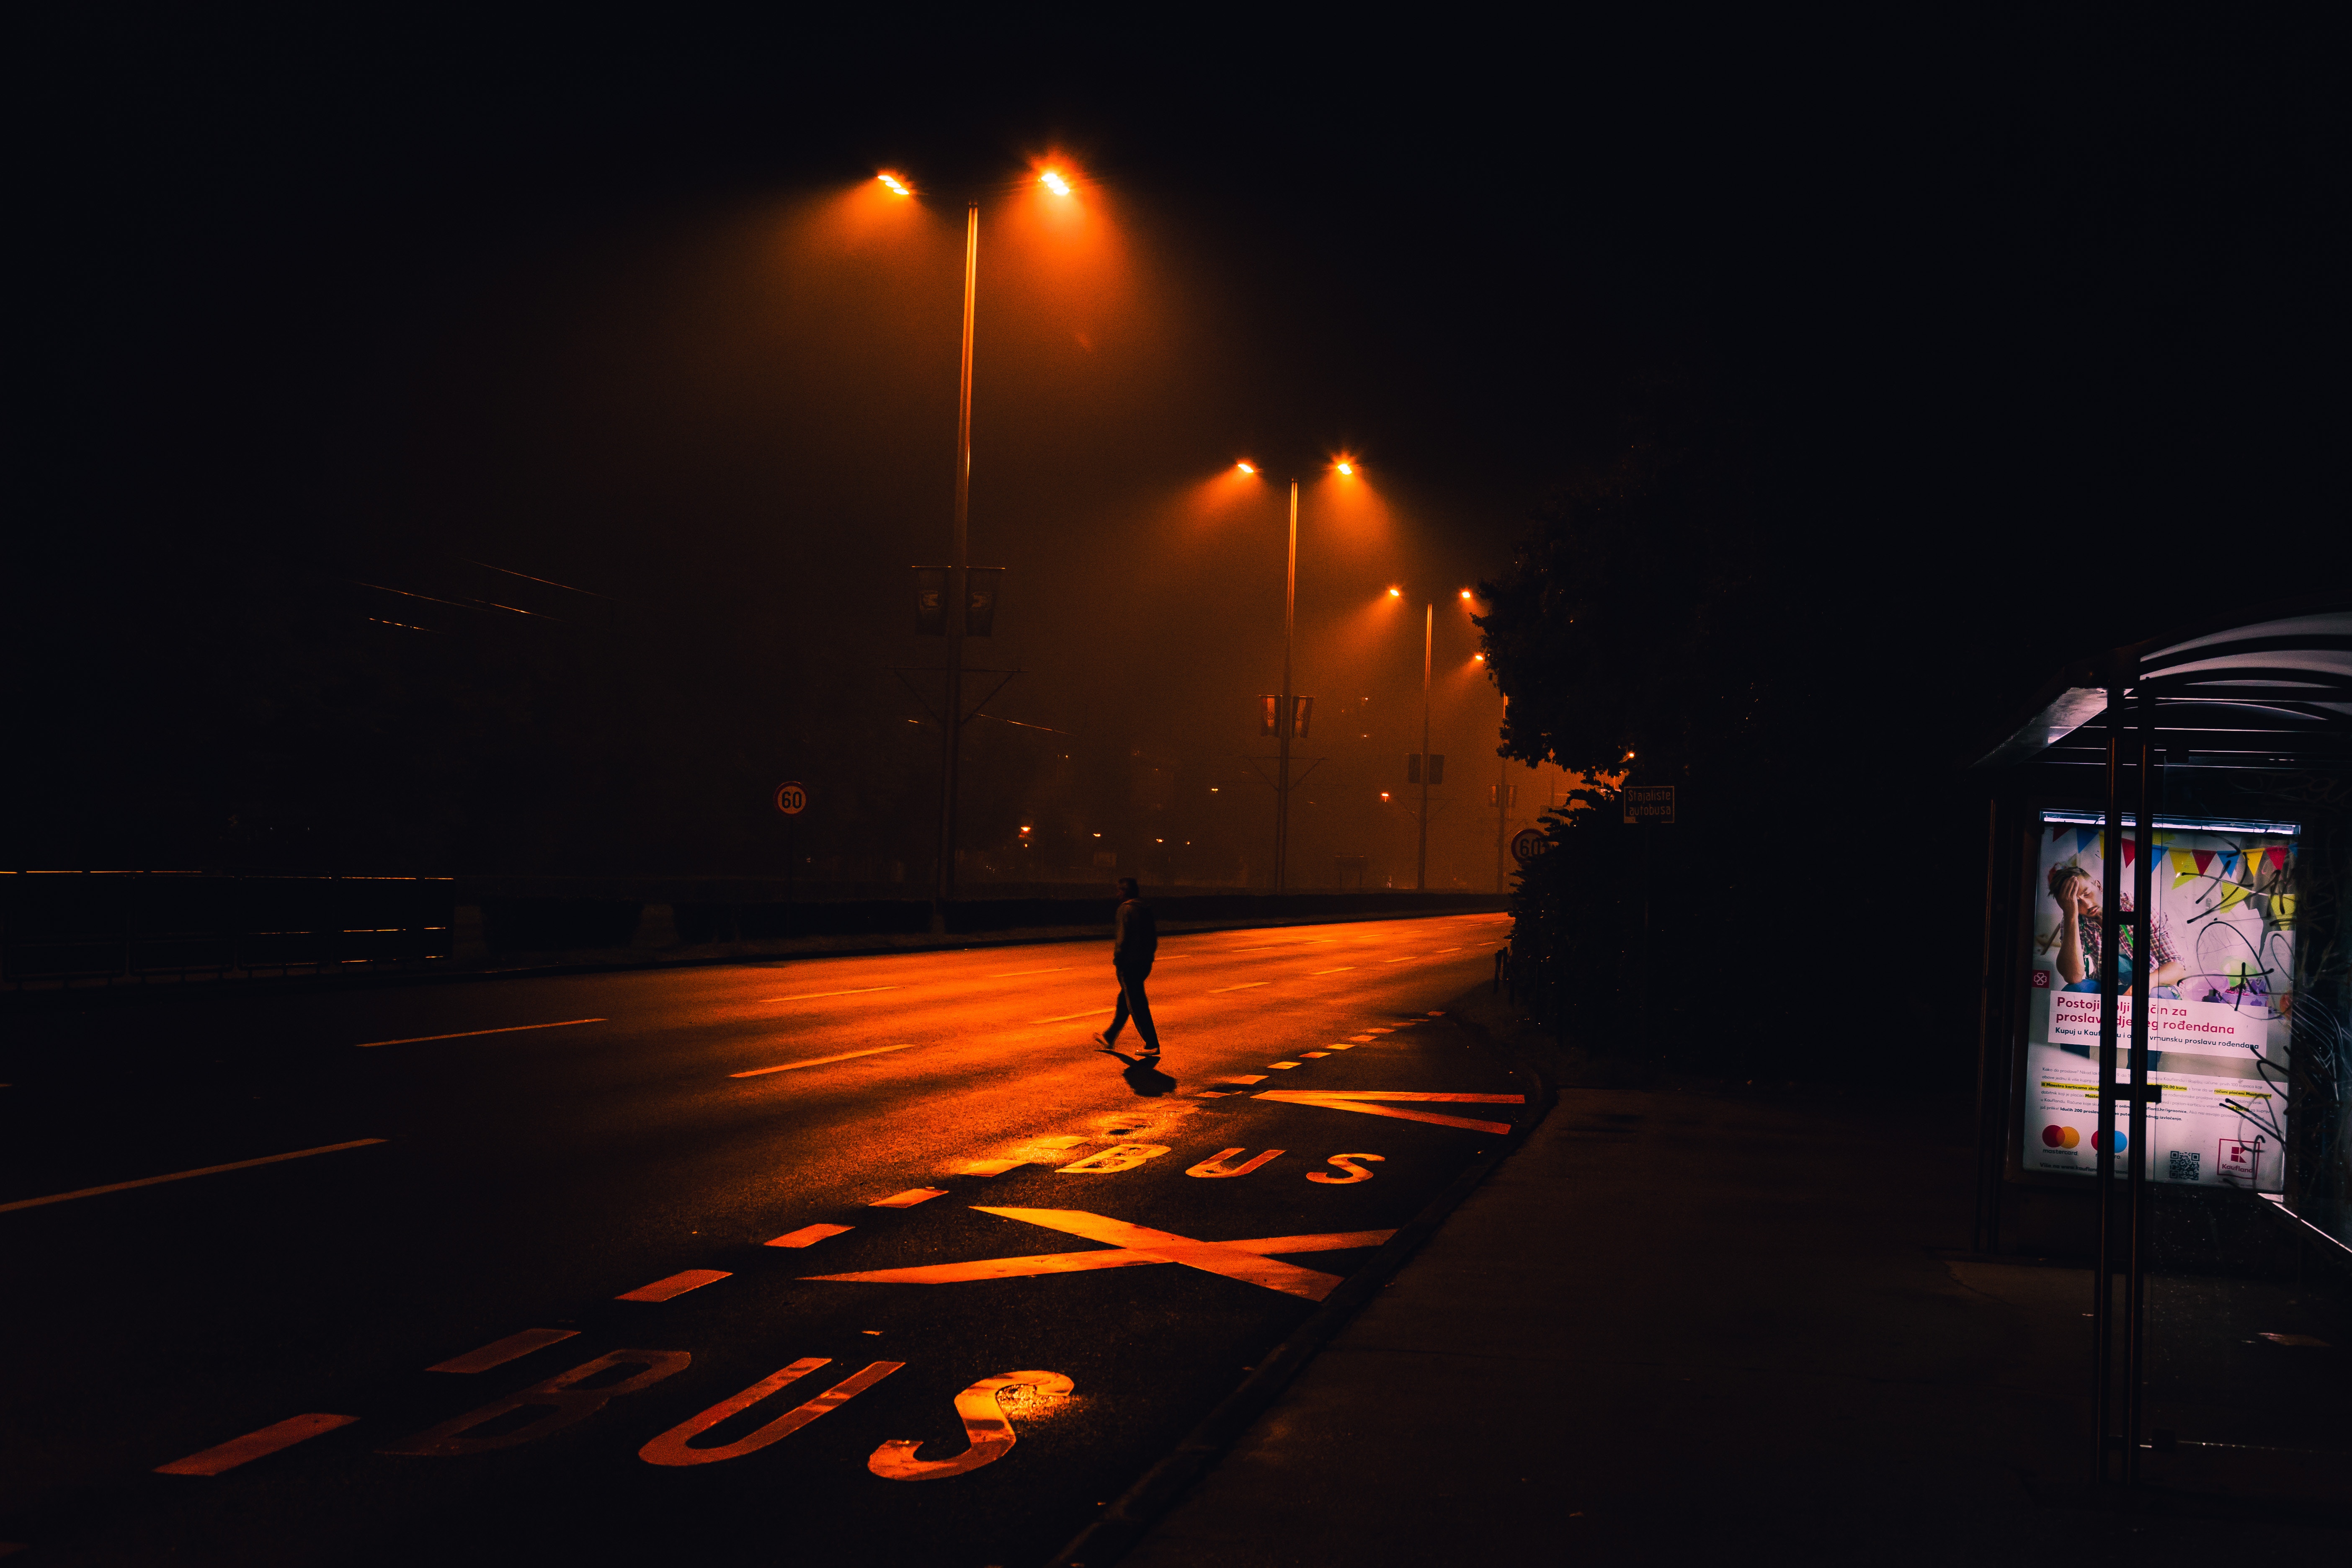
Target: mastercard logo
x: 2058, y: 1137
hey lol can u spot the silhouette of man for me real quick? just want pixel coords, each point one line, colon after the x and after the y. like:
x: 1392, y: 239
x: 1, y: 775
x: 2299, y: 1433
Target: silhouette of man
x: 1134, y: 940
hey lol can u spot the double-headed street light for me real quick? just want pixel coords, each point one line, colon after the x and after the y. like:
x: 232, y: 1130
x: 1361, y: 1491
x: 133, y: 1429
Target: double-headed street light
x: 959, y: 574
x: 1285, y: 716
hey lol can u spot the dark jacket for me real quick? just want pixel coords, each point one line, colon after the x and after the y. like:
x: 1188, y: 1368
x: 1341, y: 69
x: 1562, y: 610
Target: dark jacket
x: 1134, y: 934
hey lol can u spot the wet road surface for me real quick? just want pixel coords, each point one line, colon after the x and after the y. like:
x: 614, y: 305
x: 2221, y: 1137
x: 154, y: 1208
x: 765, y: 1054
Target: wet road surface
x: 856, y: 1259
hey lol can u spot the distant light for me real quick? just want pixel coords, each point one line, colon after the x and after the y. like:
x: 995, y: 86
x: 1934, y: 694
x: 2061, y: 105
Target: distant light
x: 1384, y: 794
x: 896, y: 188
x: 1212, y: 789
x: 1244, y: 467
x: 1060, y: 187
x: 1477, y: 658
x: 1159, y: 841
x: 1395, y: 594
x: 1465, y: 593
x: 1024, y: 830
x: 1347, y: 467
x: 1097, y: 836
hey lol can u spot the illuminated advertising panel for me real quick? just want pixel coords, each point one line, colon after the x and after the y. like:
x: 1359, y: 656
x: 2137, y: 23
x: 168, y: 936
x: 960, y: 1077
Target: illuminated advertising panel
x: 2220, y: 950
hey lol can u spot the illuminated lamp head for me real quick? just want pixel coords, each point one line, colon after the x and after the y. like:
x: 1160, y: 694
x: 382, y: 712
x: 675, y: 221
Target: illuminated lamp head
x: 1054, y: 181
x: 1396, y: 593
x: 894, y: 184
x: 1346, y: 466
x: 1245, y: 468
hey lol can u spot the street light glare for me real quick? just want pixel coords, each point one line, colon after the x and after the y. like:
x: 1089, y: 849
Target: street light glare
x: 1054, y: 182
x: 1347, y: 467
x: 1244, y: 467
x: 1396, y: 593
x: 894, y: 184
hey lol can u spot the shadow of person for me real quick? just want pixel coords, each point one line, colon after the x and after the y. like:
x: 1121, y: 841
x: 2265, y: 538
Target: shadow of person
x: 1143, y: 1075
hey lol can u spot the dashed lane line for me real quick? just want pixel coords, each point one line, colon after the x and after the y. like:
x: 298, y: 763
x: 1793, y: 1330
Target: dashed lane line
x: 184, y: 1175
x: 498, y: 1352
x: 807, y: 1236
x: 1065, y: 1017
x: 820, y: 1061
x: 468, y: 1034
x: 677, y: 1285
x: 1341, y: 969
x: 253, y: 1446
x: 1251, y: 987
x: 908, y: 1198
x: 1016, y: 974
x: 820, y: 995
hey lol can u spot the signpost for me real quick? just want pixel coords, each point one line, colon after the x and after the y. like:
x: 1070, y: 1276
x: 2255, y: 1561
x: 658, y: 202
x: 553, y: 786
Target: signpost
x: 1650, y: 803
x: 792, y: 799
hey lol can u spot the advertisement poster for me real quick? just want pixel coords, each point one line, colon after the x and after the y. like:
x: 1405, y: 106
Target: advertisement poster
x: 2219, y: 943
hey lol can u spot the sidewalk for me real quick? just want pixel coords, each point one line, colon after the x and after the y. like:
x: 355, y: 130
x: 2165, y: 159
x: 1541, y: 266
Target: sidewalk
x: 1681, y: 1325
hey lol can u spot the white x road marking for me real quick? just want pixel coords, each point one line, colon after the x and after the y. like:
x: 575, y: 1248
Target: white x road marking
x: 1244, y: 1260
x: 1344, y: 1099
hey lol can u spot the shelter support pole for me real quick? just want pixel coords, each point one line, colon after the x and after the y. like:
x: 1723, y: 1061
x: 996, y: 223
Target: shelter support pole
x: 2110, y: 921
x: 2143, y: 929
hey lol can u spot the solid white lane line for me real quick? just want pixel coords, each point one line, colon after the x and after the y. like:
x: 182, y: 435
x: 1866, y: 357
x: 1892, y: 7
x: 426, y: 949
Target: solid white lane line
x: 184, y: 1175
x: 1251, y: 987
x: 820, y: 1061
x: 819, y: 996
x: 466, y: 1033
x: 1016, y: 974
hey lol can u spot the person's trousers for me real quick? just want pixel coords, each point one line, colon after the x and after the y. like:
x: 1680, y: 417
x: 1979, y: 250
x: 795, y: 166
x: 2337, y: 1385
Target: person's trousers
x: 1133, y: 1003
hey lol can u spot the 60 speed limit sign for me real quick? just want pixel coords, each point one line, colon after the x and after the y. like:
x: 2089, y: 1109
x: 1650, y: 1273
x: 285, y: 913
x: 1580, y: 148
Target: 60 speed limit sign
x: 792, y: 798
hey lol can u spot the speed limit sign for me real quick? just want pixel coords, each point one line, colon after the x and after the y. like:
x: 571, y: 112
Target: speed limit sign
x: 792, y: 798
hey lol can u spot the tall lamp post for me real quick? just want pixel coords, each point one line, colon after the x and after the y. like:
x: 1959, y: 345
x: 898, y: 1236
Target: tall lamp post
x: 959, y: 589
x: 958, y: 592
x: 1286, y: 718
x: 1421, y: 854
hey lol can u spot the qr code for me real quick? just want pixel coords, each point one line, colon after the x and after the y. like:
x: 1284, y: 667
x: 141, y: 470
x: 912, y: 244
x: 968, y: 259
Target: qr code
x: 2184, y: 1164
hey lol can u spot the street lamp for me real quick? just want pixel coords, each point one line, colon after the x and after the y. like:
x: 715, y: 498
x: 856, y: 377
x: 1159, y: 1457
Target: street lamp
x: 1286, y: 719
x: 959, y: 574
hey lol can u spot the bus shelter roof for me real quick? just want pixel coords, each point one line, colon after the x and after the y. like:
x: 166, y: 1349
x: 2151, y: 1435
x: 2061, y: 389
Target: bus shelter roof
x: 2267, y: 693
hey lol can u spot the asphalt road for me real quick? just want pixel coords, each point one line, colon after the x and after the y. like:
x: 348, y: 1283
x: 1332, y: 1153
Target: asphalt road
x: 576, y: 1274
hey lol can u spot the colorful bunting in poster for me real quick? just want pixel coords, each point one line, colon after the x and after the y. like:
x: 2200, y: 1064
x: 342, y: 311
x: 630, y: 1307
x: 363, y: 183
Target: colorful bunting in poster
x: 2184, y: 867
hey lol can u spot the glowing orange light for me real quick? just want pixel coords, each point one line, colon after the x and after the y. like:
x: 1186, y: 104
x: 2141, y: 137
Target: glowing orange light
x: 1477, y: 658
x: 1054, y: 182
x: 892, y: 183
x: 1384, y: 794
x: 1244, y: 467
x: 1396, y: 593
x: 1024, y: 830
x: 1347, y: 467
x: 1465, y: 593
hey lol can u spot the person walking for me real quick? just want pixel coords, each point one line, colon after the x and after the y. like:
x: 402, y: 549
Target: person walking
x: 1134, y: 940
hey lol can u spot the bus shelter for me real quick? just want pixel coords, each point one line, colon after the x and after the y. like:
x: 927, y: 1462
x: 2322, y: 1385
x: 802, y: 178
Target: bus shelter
x: 2163, y: 1051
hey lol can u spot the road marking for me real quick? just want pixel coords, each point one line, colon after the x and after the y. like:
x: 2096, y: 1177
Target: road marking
x: 1065, y: 1017
x: 1286, y: 1067
x: 987, y: 1434
x: 253, y: 1446
x: 1347, y: 1163
x: 468, y: 1034
x: 1118, y: 1157
x: 1243, y: 1077
x: 1407, y: 959
x: 1343, y: 969
x: 1269, y: 947
x: 807, y: 1236
x: 1215, y: 1166
x: 1247, y: 1260
x: 1379, y: 1029
x: 1446, y: 950
x: 820, y: 995
x: 184, y: 1175
x: 1362, y: 1039
x: 498, y: 1352
x: 1016, y: 974
x: 1251, y: 987
x: 820, y: 1061
x: 1314, y: 1053
x: 1339, y: 1046
x: 908, y: 1198
x: 1332, y: 1099
x: 675, y: 1285
x: 989, y: 1167
x: 558, y: 1402
x: 670, y: 1449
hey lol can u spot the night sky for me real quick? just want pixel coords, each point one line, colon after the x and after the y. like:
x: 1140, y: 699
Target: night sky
x: 330, y: 327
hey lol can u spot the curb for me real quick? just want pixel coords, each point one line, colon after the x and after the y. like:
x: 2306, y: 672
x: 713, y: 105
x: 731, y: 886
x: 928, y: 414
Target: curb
x: 1134, y: 1511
